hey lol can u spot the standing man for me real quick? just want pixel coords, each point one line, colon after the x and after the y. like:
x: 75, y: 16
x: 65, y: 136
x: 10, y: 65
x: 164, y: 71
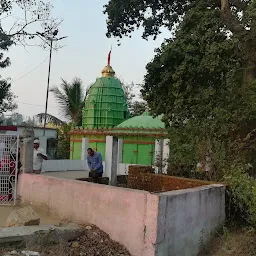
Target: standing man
x: 94, y: 161
x: 39, y: 156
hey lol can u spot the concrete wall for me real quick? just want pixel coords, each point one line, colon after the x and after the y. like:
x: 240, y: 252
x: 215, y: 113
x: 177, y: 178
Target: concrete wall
x: 64, y: 165
x: 49, y: 132
x: 128, y: 216
x: 75, y: 165
x: 173, y: 223
x: 187, y: 217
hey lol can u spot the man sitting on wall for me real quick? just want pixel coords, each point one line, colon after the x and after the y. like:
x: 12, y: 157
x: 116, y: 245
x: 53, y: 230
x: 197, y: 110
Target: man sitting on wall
x: 94, y: 161
x: 39, y: 156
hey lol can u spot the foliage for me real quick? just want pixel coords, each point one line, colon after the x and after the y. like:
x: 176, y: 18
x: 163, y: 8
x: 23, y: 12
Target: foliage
x: 203, y: 81
x: 242, y: 190
x: 18, y: 30
x: 29, y: 122
x: 63, y: 146
x: 136, y: 107
x: 152, y: 15
x: 6, y: 96
x: 20, y: 19
x: 70, y: 98
x: 13, y: 119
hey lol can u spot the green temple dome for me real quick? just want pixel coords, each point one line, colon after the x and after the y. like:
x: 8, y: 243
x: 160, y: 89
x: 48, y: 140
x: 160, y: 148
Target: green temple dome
x: 106, y: 105
x: 144, y: 121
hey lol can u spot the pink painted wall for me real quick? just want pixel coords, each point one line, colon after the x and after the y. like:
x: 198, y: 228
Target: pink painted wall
x: 128, y: 216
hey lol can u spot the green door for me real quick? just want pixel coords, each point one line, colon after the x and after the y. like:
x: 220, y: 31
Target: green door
x: 145, y: 154
x: 130, y: 153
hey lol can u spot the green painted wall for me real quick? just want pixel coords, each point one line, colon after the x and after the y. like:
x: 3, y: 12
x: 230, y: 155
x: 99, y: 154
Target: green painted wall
x: 76, y: 147
x: 133, y: 153
x: 138, y: 153
x: 75, y: 152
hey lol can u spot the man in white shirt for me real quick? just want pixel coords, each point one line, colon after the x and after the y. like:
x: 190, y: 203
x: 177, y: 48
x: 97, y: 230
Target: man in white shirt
x: 39, y: 156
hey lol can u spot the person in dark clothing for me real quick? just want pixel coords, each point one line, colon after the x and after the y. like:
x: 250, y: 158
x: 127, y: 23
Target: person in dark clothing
x: 94, y: 161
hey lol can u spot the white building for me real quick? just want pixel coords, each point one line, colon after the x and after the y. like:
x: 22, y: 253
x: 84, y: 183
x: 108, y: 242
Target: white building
x: 48, y: 142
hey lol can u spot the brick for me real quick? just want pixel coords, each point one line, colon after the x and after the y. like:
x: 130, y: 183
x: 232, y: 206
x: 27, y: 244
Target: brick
x: 141, y: 177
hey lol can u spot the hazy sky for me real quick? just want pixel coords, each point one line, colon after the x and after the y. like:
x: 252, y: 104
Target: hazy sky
x: 84, y: 56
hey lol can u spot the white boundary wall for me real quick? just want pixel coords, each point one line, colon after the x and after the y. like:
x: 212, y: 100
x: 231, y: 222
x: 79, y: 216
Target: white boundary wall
x: 81, y: 165
x: 76, y: 165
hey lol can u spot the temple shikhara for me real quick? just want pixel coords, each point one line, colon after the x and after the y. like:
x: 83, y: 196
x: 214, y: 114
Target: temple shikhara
x: 106, y: 113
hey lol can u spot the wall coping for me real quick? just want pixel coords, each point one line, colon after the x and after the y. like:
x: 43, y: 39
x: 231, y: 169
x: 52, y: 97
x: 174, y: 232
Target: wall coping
x: 190, y: 190
x: 89, y: 183
x: 167, y: 193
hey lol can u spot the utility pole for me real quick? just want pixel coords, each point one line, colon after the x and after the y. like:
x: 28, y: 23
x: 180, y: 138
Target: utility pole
x: 50, y: 39
x: 48, y: 84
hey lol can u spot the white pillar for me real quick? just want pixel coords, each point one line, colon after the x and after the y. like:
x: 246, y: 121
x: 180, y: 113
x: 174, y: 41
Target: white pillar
x: 111, y: 159
x: 158, y: 154
x: 120, y: 151
x: 85, y: 145
x: 166, y: 153
x: 27, y: 151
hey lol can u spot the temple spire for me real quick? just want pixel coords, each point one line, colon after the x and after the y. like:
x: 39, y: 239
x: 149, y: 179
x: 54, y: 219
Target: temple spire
x: 109, y: 56
x: 108, y: 70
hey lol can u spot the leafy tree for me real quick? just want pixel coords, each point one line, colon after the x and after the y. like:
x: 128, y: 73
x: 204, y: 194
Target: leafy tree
x: 29, y: 122
x: 6, y: 96
x: 19, y: 30
x: 203, y: 81
x: 238, y: 17
x: 136, y: 107
x: 21, y: 18
x: 63, y: 146
x: 13, y: 119
x: 203, y: 78
x: 70, y: 98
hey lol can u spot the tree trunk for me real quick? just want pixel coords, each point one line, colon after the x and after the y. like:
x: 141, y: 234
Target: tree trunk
x: 229, y: 19
x: 224, y: 6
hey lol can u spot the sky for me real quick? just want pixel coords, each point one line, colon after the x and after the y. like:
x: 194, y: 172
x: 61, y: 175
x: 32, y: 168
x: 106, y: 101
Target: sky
x: 84, y: 56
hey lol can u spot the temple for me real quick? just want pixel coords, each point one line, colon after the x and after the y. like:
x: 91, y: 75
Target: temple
x: 106, y: 113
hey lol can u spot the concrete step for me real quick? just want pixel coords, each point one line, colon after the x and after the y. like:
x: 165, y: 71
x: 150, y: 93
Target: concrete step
x: 45, y: 234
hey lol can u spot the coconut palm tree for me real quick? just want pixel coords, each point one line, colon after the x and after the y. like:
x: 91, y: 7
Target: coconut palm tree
x: 70, y: 97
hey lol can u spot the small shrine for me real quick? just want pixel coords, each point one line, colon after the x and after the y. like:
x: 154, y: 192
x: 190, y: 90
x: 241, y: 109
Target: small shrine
x: 106, y: 113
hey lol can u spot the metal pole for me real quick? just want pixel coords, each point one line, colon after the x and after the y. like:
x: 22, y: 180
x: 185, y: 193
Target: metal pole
x: 48, y: 83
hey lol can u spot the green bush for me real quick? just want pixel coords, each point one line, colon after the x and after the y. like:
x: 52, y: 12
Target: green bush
x: 242, y: 193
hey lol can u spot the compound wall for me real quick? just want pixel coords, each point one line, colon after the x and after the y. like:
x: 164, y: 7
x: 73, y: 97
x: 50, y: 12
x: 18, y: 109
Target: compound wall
x: 165, y: 224
x: 124, y: 214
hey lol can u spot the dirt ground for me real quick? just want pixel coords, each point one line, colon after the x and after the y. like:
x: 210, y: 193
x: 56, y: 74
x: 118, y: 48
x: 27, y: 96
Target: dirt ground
x: 238, y: 242
x: 93, y: 243
x: 44, y: 218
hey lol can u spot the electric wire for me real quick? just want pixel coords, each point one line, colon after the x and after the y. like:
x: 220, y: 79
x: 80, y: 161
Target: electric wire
x: 25, y: 103
x: 30, y: 104
x: 31, y: 70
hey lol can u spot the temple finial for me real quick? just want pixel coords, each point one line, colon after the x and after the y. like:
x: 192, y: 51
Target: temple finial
x: 108, y: 70
x: 109, y: 56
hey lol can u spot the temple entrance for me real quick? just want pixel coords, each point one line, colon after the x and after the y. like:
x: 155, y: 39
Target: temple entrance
x: 9, y: 154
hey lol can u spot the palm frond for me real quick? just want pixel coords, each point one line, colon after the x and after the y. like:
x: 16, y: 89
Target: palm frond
x: 70, y: 98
